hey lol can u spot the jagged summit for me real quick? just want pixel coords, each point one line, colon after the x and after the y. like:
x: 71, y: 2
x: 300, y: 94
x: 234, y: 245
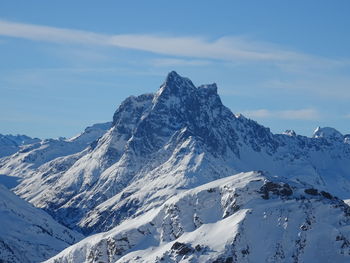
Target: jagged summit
x: 174, y: 78
x: 177, y: 95
x: 178, y: 86
x: 177, y: 106
x: 177, y: 82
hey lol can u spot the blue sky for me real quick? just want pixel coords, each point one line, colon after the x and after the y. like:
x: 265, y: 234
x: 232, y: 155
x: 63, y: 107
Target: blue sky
x: 65, y: 65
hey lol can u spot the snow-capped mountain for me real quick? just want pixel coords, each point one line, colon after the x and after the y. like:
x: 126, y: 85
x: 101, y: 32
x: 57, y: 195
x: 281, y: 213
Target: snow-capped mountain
x: 38, y: 152
x: 28, y: 234
x: 9, y: 144
x: 178, y: 138
x: 248, y: 217
x: 161, y: 151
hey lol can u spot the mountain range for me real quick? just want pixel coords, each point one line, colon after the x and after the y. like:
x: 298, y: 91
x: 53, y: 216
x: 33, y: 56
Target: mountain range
x: 177, y: 177
x: 11, y: 144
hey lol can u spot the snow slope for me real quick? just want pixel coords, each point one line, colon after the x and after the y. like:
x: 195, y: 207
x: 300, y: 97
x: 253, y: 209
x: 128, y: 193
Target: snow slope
x: 250, y: 217
x: 28, y: 234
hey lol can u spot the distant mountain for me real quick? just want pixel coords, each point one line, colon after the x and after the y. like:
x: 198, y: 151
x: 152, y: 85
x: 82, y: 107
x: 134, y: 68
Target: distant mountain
x: 38, y: 152
x: 171, y: 145
x: 9, y: 144
x: 28, y: 234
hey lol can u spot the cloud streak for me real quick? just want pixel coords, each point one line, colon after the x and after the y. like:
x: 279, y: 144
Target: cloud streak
x: 171, y: 62
x: 225, y: 48
x: 300, y: 114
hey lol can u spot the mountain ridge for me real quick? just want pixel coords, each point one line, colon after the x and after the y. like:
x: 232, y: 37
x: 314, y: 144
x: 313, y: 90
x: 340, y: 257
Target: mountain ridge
x: 9, y: 144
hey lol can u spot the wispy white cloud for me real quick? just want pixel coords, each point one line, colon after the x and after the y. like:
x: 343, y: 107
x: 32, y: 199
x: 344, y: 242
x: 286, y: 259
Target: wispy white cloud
x: 170, y: 62
x: 347, y: 116
x: 225, y: 48
x: 300, y: 114
x: 49, y: 34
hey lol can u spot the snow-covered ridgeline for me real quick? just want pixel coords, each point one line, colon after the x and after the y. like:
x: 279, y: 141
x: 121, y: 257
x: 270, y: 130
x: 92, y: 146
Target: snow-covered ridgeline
x: 248, y: 217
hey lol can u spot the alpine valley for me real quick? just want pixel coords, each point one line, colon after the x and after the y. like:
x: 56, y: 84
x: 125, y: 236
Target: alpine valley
x: 176, y: 177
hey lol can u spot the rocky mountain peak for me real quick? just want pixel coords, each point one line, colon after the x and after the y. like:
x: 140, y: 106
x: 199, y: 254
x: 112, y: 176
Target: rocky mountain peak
x: 180, y: 90
x: 151, y: 119
x: 174, y: 86
x: 174, y: 80
x: 179, y: 94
